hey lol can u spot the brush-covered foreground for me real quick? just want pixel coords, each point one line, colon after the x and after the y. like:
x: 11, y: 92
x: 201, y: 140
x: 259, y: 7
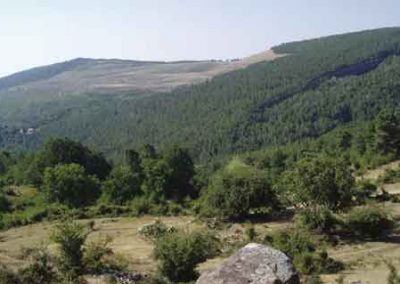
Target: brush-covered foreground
x: 364, y: 260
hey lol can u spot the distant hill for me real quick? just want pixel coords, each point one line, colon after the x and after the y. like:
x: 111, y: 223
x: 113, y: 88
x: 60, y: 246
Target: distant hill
x: 319, y: 85
x: 115, y: 76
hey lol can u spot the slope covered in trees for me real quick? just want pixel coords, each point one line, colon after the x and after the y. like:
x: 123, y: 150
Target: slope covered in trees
x: 320, y: 85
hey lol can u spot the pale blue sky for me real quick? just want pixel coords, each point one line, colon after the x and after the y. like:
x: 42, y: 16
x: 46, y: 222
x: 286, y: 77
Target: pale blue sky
x: 38, y: 32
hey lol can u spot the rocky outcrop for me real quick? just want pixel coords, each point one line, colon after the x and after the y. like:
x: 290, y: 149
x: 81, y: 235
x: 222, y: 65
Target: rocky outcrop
x: 255, y: 264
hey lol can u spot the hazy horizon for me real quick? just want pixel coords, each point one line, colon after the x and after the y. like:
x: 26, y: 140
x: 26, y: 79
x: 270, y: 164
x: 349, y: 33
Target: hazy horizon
x: 35, y: 33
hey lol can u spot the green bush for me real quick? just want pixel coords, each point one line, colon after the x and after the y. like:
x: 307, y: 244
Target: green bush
x: 21, y: 218
x: 70, y: 237
x: 292, y: 242
x: 175, y: 208
x: 365, y: 189
x: 321, y: 180
x: 317, y: 263
x: 69, y: 184
x: 58, y: 211
x: 140, y: 206
x: 299, y: 246
x: 95, y: 254
x: 318, y: 218
x: 390, y: 176
x: 238, y: 192
x: 98, y: 257
x: 179, y: 253
x: 368, y: 222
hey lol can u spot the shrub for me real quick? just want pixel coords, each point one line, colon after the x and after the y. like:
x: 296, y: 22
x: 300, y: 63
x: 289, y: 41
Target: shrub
x: 174, y: 208
x: 70, y: 237
x: 237, y: 192
x: 321, y: 180
x: 70, y: 185
x: 365, y: 189
x: 141, y: 205
x: 179, y: 253
x: 95, y: 254
x: 390, y: 176
x: 368, y: 222
x: 41, y: 270
x: 319, y: 218
x: 299, y: 245
x: 98, y: 257
x: 317, y: 263
x: 117, y: 262
x: 292, y: 242
x: 155, y: 230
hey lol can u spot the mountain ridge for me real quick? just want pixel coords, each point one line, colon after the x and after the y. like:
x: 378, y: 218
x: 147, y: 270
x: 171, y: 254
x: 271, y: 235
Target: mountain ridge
x: 90, y: 75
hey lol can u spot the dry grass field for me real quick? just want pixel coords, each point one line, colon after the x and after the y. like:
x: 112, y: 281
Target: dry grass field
x: 364, y: 260
x: 123, y: 231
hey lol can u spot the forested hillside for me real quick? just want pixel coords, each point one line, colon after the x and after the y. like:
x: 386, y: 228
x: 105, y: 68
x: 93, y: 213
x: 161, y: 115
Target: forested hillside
x: 319, y: 85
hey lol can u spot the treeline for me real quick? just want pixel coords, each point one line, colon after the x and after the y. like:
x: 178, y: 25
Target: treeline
x: 72, y: 179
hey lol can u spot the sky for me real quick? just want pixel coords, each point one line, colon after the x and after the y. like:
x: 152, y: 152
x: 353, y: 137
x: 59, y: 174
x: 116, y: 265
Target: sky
x: 40, y: 32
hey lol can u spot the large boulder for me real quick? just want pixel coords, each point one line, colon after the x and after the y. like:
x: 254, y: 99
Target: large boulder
x: 255, y: 264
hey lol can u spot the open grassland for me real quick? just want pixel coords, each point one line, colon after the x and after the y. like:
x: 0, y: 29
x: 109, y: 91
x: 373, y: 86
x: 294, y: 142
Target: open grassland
x: 364, y: 260
x: 123, y: 231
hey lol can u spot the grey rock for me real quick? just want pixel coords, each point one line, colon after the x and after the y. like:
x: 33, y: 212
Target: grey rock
x: 253, y: 264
